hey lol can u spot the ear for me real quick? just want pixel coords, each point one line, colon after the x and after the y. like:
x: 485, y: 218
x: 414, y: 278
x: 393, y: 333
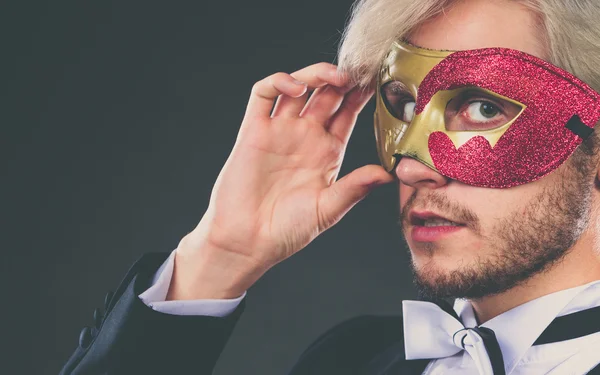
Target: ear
x: 596, y: 160
x: 590, y: 149
x: 593, y: 146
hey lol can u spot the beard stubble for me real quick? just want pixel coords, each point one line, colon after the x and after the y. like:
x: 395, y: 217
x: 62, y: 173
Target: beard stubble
x: 520, y: 246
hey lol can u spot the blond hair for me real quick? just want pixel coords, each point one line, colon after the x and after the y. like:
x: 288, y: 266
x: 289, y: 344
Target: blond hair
x: 570, y: 32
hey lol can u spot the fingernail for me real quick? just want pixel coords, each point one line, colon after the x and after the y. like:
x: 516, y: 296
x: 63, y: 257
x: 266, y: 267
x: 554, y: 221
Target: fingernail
x: 299, y: 82
x: 293, y: 87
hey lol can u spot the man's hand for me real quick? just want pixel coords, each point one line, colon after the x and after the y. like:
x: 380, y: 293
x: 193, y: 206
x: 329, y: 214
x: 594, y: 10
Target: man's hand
x: 278, y: 189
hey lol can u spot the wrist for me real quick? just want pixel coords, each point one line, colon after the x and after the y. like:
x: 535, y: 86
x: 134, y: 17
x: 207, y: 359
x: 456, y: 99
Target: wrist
x: 205, y: 272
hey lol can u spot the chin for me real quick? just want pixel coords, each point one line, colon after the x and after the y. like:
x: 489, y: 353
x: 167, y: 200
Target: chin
x: 444, y: 258
x: 448, y: 272
x: 439, y: 265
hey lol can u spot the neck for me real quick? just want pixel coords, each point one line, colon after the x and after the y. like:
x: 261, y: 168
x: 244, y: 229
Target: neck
x: 581, y: 265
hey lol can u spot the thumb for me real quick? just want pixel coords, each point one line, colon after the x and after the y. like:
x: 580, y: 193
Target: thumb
x: 339, y: 198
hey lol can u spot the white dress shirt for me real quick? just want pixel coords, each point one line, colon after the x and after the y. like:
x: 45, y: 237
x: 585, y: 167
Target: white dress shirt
x: 516, y: 330
x: 155, y: 297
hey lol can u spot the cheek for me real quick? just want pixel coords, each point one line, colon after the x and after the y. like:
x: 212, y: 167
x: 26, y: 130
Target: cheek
x: 493, y: 206
x: 405, y: 193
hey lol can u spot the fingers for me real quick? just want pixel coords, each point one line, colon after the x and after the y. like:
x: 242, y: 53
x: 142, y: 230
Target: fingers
x: 266, y: 90
x: 321, y: 74
x: 323, y: 104
x: 327, y: 105
x: 342, y: 123
x: 315, y: 76
x: 339, y: 198
x: 288, y: 106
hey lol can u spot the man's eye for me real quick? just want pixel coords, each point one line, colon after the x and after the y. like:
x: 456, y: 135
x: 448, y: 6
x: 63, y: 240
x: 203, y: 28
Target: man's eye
x: 480, y: 111
x: 402, y: 109
x: 474, y: 111
x: 408, y: 112
x: 398, y: 101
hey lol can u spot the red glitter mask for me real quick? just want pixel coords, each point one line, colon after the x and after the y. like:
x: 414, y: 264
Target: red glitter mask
x: 492, y: 117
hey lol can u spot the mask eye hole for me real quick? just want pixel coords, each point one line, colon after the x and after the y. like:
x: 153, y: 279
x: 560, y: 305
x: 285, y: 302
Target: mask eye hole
x: 398, y: 101
x: 475, y: 110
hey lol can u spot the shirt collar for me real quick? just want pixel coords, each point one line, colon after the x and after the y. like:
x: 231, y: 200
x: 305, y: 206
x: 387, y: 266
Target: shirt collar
x: 517, y: 329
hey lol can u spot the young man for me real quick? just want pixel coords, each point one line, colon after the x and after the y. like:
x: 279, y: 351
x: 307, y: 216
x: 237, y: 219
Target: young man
x: 497, y: 165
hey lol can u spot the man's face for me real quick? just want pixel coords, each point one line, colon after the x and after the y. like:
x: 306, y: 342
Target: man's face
x: 507, y: 234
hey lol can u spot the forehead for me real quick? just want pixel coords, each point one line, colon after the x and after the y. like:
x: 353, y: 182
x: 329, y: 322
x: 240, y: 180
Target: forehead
x: 473, y: 24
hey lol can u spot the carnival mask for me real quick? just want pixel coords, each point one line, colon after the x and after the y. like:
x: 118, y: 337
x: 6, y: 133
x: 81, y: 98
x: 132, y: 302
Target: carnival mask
x: 491, y: 117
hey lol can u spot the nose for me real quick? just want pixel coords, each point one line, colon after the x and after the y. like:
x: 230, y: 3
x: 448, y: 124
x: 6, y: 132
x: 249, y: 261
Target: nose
x: 413, y: 173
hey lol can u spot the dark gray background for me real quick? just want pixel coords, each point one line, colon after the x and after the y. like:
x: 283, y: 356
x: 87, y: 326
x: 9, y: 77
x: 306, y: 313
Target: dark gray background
x: 118, y: 116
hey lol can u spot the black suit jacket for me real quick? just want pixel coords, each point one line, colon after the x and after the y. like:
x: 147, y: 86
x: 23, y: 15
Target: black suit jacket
x: 131, y: 338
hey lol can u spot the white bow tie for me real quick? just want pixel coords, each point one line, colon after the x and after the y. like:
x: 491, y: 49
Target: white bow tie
x: 430, y: 332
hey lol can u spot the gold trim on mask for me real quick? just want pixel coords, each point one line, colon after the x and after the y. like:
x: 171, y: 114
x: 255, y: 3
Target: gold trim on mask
x: 409, y: 65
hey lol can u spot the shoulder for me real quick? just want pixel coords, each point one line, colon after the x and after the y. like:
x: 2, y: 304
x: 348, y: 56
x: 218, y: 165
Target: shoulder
x: 350, y: 345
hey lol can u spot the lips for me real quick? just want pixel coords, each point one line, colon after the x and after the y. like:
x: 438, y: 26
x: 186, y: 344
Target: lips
x: 419, y: 218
